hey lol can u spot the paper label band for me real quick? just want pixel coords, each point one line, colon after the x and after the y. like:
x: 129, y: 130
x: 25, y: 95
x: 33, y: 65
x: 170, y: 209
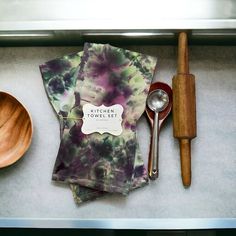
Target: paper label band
x: 102, y: 119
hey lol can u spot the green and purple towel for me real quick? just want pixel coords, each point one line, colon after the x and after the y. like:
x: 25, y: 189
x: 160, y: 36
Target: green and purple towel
x: 100, y: 75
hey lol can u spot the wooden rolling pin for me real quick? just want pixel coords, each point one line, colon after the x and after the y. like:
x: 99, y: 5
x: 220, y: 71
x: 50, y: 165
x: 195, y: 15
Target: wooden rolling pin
x: 184, y: 109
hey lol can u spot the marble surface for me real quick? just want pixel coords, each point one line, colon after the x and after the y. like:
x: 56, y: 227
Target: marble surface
x: 26, y: 189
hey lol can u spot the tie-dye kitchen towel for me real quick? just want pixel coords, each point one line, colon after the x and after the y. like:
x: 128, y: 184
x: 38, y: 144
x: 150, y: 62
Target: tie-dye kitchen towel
x: 56, y: 77
x: 106, y: 76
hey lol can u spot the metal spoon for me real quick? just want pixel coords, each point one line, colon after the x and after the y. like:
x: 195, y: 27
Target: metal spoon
x: 157, y: 101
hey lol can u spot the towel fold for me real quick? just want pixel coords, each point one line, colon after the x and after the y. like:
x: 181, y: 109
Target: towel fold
x: 100, y: 75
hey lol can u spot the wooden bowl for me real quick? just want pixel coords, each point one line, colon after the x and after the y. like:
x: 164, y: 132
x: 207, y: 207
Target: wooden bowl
x: 15, y: 129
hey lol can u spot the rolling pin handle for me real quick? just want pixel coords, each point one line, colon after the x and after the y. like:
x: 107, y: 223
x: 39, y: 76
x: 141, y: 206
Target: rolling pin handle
x: 183, y: 65
x: 185, y: 157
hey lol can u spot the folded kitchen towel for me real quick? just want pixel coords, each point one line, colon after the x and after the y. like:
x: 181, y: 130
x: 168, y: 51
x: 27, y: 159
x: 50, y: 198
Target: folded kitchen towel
x: 59, y: 84
x: 106, y: 76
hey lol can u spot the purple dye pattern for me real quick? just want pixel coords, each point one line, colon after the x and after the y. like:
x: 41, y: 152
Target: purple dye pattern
x: 82, y: 194
x: 107, y: 75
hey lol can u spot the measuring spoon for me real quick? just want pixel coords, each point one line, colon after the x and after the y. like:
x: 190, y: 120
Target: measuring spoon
x: 159, y: 103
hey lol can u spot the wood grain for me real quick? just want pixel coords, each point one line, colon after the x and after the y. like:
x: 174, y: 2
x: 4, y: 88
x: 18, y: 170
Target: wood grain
x: 15, y: 130
x: 184, y: 109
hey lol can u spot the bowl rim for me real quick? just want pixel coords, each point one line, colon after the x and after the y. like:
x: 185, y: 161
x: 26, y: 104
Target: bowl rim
x: 31, y: 133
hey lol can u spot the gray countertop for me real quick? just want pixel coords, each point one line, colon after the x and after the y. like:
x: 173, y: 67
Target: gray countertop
x: 29, y: 198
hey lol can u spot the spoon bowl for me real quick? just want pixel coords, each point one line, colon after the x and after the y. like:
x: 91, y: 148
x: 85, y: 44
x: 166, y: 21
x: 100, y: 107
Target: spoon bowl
x: 158, y: 100
x: 15, y: 129
x: 163, y: 114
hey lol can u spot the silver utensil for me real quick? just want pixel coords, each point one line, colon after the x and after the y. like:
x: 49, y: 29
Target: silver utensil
x: 157, y: 101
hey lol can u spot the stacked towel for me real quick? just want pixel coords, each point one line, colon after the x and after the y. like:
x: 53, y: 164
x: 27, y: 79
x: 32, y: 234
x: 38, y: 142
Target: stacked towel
x: 96, y: 163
